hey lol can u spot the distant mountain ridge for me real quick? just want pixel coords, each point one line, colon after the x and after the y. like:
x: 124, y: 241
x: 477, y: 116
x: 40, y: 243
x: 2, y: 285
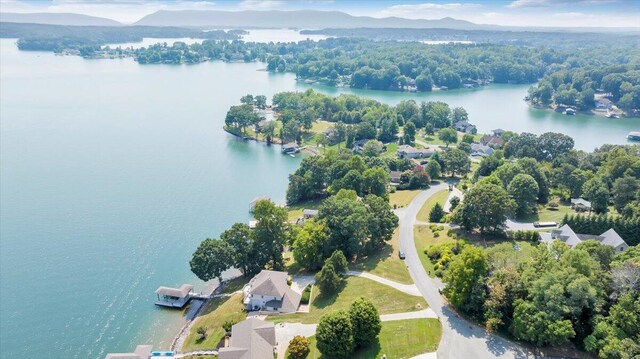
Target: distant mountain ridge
x: 307, y: 19
x: 49, y: 18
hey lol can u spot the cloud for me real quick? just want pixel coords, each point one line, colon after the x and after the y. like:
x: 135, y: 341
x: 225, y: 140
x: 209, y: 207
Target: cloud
x: 549, y: 3
x: 426, y: 9
x: 260, y: 4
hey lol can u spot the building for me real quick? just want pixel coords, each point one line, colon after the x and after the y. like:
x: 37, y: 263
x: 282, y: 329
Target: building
x: 603, y: 103
x: 269, y: 291
x: 290, y: 148
x: 395, y: 176
x: 466, y: 127
x: 358, y: 145
x: 141, y: 352
x: 580, y: 204
x: 250, y: 339
x: 492, y: 141
x: 174, y: 297
x: 498, y: 132
x: 406, y: 151
x: 309, y: 213
x: 570, y: 238
x: 481, y: 150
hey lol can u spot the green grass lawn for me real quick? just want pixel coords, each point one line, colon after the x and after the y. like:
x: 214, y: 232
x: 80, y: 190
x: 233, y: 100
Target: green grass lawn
x: 295, y: 211
x: 424, y: 238
x: 402, y: 198
x: 386, y: 299
x: 217, y: 312
x: 438, y: 197
x: 386, y: 262
x: 397, y: 339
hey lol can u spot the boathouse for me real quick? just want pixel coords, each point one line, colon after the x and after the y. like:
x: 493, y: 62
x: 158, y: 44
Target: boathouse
x: 290, y: 148
x: 174, y: 297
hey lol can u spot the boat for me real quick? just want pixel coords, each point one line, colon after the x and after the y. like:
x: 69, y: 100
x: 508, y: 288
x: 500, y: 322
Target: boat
x: 633, y: 136
x: 612, y: 115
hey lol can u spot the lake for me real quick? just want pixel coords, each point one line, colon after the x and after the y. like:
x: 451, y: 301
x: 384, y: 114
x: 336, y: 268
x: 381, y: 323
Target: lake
x: 111, y: 174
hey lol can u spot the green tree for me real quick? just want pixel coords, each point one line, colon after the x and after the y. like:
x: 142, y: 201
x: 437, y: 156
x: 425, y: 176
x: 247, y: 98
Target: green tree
x: 372, y: 148
x: 211, y: 259
x: 409, y: 133
x: 448, y: 136
x: 339, y: 262
x: 465, y: 278
x: 365, y: 321
x: 375, y: 181
x: 299, y: 347
x: 598, y: 193
x: 271, y: 232
x: 486, y: 208
x: 335, y: 335
x: 456, y: 161
x: 310, y: 245
x: 381, y: 222
x: 348, y: 224
x: 241, y: 116
x: 243, y: 254
x: 624, y: 191
x: 524, y: 191
x: 436, y: 213
x: 328, y: 279
x: 433, y: 169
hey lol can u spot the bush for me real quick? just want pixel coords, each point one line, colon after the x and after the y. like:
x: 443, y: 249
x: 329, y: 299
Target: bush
x: 335, y: 335
x: 553, y: 205
x: 306, y: 295
x: 339, y: 262
x: 529, y: 236
x: 365, y: 320
x: 202, y: 331
x: 228, y: 324
x: 436, y: 234
x: 299, y: 347
x: 436, y: 213
x: 433, y: 252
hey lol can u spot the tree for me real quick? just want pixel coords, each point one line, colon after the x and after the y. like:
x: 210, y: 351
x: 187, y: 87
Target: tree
x: 211, y: 259
x: 465, y: 279
x: 241, y: 116
x: 382, y: 222
x: 433, y: 169
x: 459, y: 114
x: 436, y: 213
x: 448, y: 136
x: 424, y: 82
x: 467, y: 138
x: 372, y: 148
x: 375, y: 181
x: 334, y: 335
x: 552, y: 145
x: 524, y: 191
x: 243, y: 254
x: 419, y: 178
x: 597, y: 193
x: 454, y: 202
x: 202, y: 331
x: 348, y: 224
x: 328, y: 279
x: 261, y: 102
x: 624, y: 191
x: 310, y: 245
x: 409, y: 133
x: 486, y: 208
x: 271, y: 232
x: 456, y: 161
x: 247, y: 100
x: 365, y: 321
x: 339, y: 262
x: 299, y: 347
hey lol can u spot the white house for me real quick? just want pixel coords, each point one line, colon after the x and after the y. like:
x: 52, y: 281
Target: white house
x: 466, y: 127
x: 406, y: 151
x: 269, y: 291
x: 570, y: 238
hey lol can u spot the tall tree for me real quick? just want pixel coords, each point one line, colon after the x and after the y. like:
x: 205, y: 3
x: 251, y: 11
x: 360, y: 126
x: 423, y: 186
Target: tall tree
x: 335, y: 335
x: 366, y: 322
x: 211, y: 259
x: 524, y: 191
x: 271, y: 232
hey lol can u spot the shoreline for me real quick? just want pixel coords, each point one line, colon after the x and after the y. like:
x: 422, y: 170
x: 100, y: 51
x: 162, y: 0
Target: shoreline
x: 594, y: 112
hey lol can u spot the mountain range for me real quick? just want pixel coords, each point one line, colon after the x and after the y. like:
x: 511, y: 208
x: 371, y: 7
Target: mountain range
x: 49, y: 18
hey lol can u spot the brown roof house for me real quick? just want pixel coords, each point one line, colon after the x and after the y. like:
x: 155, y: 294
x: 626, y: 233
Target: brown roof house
x: 269, y: 291
x: 250, y: 339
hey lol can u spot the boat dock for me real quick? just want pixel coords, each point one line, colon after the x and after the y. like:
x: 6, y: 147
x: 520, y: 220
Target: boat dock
x: 177, y: 297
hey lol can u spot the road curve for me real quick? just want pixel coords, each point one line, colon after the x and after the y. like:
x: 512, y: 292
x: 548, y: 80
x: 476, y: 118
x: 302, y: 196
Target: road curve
x: 460, y: 338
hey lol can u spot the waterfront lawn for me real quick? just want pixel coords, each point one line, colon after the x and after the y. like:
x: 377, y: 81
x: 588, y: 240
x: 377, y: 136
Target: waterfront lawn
x: 385, y: 298
x: 218, y: 311
x: 438, y: 197
x: 386, y: 263
x: 397, y: 339
x: 402, y: 198
x: 295, y: 211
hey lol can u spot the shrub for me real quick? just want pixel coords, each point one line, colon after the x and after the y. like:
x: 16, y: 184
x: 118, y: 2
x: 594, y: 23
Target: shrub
x: 335, y: 335
x: 202, y: 331
x: 228, y: 324
x: 365, y: 320
x: 436, y: 234
x: 306, y: 295
x: 529, y: 236
x: 553, y: 205
x: 433, y: 252
x: 299, y: 347
x: 328, y: 280
x: 436, y: 213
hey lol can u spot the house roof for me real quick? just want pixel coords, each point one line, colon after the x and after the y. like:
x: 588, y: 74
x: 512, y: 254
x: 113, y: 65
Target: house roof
x: 568, y: 236
x: 141, y: 352
x: 271, y: 283
x: 580, y: 201
x: 395, y: 174
x: 411, y: 149
x: 181, y: 292
x: 477, y: 147
x: 611, y: 238
x: 250, y: 339
x: 309, y: 212
x: 290, y: 145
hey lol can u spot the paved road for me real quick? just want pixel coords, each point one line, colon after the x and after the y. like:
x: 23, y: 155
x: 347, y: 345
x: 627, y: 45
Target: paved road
x: 460, y: 339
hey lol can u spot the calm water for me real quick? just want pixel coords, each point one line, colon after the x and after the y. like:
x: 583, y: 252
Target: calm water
x: 111, y: 173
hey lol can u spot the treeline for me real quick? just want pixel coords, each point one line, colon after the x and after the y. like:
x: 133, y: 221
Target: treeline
x: 627, y: 228
x: 575, y: 86
x: 548, y: 296
x: 520, y: 38
x: 56, y: 38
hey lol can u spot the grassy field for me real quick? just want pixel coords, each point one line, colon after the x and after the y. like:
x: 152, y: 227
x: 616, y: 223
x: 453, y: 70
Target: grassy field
x: 402, y: 198
x: 218, y: 311
x: 386, y: 299
x: 386, y: 262
x: 397, y: 339
x: 424, y: 238
x: 439, y: 197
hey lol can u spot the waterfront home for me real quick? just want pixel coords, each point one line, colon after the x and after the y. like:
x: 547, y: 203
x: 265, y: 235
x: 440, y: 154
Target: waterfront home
x: 466, y: 127
x: 492, y: 141
x: 395, y: 176
x: 174, y: 297
x: 498, y: 132
x: 309, y: 213
x: 290, y: 148
x: 252, y: 338
x: 406, y: 151
x: 478, y: 149
x: 580, y: 204
x: 358, y: 145
x: 252, y: 204
x: 141, y: 352
x: 269, y: 291
x: 570, y: 238
x: 603, y: 103
x: 332, y: 136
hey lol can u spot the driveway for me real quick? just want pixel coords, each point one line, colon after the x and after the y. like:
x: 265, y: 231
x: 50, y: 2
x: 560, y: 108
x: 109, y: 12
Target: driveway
x: 454, y: 192
x: 286, y: 331
x: 460, y: 338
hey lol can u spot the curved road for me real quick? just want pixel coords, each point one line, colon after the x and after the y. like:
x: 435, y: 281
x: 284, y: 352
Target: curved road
x: 460, y: 338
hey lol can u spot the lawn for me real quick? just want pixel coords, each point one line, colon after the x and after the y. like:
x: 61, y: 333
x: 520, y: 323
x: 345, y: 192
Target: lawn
x: 218, y: 311
x: 439, y: 197
x: 423, y: 237
x: 386, y: 299
x: 402, y: 198
x: 397, y: 339
x: 386, y: 262
x: 295, y: 211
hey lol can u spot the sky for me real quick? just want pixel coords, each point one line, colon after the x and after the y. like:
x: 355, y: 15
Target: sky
x: 569, y: 13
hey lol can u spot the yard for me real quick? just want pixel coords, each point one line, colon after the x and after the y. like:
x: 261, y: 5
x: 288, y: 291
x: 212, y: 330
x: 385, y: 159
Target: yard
x: 439, y: 197
x: 386, y: 263
x: 386, y: 299
x: 397, y: 339
x: 424, y: 237
x: 399, y: 199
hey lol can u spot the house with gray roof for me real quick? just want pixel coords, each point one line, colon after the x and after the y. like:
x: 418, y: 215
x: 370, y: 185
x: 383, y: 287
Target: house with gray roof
x: 269, y: 291
x: 406, y: 151
x: 250, y: 339
x: 571, y: 238
x: 466, y: 127
x: 478, y: 149
x: 580, y: 204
